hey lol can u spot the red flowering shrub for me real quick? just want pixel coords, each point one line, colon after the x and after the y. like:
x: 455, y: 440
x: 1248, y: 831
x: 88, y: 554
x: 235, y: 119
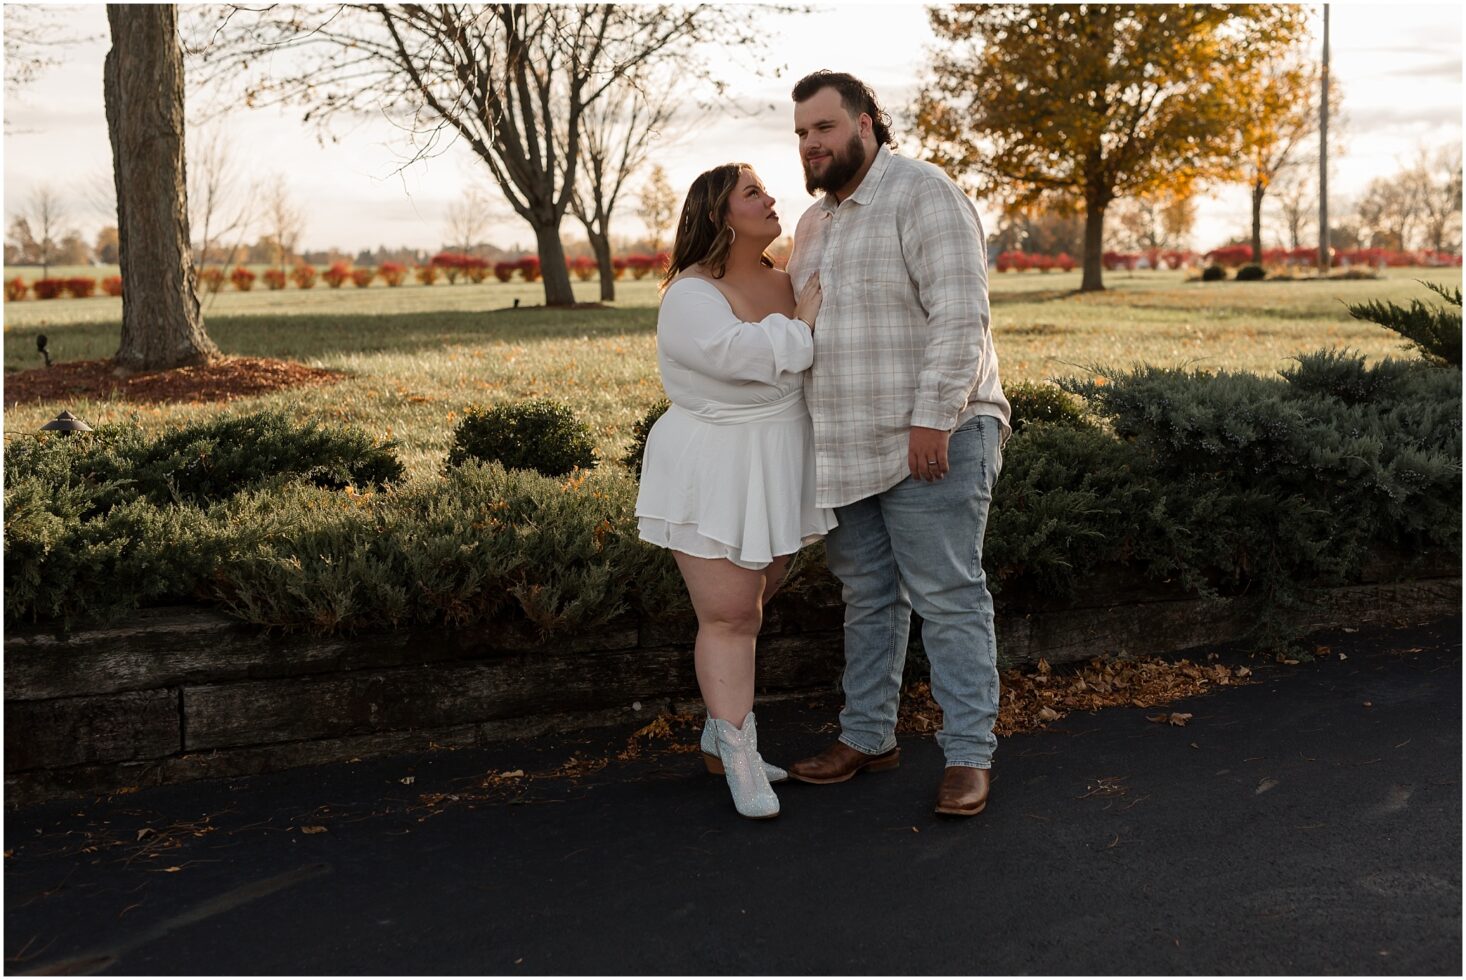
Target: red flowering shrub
x: 529, y: 268
x: 392, y: 273
x: 504, y: 271
x: 211, y: 277
x: 49, y: 288
x: 337, y: 274
x: 618, y: 267
x: 426, y: 274
x: 275, y: 278
x: 1120, y: 260
x: 584, y: 268
x: 660, y: 262
x: 16, y: 289
x: 363, y: 277
x: 303, y: 276
x: 81, y: 287
x: 112, y: 285
x: 1064, y: 261
x: 243, y: 279
x: 455, y: 264
x: 1230, y: 256
x: 639, y: 265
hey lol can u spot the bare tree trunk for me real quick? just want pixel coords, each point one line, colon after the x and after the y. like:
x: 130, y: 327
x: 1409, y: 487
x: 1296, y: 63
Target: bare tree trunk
x: 1258, y: 190
x: 142, y: 84
x: 558, y: 291
x: 1094, y: 248
x: 601, y: 245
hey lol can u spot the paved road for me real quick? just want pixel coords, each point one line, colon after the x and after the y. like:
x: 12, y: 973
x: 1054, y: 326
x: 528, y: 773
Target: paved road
x: 1290, y: 828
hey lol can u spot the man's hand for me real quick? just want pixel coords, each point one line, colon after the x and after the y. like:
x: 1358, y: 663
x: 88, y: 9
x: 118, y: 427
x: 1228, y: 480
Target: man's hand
x: 926, y: 453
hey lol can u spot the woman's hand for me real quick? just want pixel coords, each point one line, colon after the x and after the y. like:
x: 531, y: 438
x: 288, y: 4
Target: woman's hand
x: 808, y: 306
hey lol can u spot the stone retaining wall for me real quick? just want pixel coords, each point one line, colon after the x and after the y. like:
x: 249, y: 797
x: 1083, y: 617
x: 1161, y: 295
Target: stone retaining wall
x: 181, y: 694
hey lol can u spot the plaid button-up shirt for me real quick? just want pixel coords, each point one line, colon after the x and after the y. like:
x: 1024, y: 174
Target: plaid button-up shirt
x: 902, y: 337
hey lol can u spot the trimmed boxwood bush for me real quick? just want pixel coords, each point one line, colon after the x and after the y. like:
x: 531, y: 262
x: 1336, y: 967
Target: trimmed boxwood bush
x: 1251, y: 273
x: 639, y: 432
x: 1213, y: 273
x: 540, y: 434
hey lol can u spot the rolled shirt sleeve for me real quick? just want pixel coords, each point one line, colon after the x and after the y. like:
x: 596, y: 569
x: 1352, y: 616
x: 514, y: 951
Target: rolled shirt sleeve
x: 699, y: 330
x: 943, y: 242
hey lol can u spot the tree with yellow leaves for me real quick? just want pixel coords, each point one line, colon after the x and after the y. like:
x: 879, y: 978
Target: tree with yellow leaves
x: 1094, y: 101
x: 1282, y: 96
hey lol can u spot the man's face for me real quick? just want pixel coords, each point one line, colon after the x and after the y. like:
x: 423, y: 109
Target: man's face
x: 830, y: 145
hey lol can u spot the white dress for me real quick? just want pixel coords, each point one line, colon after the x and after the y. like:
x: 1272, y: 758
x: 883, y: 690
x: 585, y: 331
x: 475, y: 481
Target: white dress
x: 729, y: 469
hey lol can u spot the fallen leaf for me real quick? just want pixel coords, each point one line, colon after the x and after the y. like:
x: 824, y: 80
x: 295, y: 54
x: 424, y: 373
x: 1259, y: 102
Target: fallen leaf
x: 145, y: 832
x: 1350, y: 629
x: 1264, y: 786
x: 1369, y: 704
x: 407, y: 780
x: 1177, y: 718
x: 174, y: 868
x: 1244, y: 671
x: 514, y: 774
x: 1343, y: 655
x: 314, y: 828
x: 1047, y: 714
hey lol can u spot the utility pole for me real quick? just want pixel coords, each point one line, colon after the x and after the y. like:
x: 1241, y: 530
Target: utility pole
x: 1323, y: 155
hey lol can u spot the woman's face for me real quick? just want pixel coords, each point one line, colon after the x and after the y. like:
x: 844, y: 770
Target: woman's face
x: 751, y: 210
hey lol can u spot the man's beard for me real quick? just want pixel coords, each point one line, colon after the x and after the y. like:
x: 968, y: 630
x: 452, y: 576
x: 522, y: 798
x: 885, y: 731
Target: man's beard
x: 839, y: 171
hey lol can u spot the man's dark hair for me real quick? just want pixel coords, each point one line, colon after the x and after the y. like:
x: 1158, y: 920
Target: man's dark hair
x: 855, y: 95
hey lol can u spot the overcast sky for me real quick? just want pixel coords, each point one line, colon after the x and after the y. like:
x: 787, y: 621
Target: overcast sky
x: 1400, y: 66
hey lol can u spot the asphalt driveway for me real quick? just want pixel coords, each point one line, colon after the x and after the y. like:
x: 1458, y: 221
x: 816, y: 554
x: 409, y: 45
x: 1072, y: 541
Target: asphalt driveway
x: 1308, y: 823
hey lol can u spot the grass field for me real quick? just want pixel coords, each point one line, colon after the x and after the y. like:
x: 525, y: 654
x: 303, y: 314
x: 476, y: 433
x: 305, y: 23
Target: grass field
x: 417, y: 356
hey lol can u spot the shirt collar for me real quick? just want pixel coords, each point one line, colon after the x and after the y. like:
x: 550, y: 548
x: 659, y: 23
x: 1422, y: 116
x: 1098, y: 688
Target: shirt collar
x: 866, y: 192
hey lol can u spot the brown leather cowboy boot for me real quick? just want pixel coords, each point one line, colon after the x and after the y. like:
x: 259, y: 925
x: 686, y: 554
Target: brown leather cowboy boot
x: 839, y: 762
x: 964, y: 791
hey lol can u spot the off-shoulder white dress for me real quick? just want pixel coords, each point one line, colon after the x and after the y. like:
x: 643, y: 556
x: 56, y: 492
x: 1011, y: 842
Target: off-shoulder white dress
x: 729, y: 469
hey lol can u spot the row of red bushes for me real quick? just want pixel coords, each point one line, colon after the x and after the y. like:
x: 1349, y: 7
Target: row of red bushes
x: 447, y: 265
x: 79, y: 287
x: 1064, y: 262
x: 1232, y: 257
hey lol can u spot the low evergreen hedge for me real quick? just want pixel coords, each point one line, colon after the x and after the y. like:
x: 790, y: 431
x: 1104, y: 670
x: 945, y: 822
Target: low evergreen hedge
x: 1209, y: 483
x: 541, y: 435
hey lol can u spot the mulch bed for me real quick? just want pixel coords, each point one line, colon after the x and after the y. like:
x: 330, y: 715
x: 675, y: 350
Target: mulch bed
x: 223, y: 380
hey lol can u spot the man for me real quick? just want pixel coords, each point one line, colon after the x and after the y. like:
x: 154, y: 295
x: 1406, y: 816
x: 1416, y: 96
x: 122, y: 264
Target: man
x: 909, y: 421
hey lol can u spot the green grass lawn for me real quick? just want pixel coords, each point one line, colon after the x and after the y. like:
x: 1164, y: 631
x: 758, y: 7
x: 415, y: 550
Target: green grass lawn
x: 417, y: 356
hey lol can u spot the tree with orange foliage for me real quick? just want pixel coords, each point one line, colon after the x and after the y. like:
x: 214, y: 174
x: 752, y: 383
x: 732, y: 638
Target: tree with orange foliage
x: 1093, y: 101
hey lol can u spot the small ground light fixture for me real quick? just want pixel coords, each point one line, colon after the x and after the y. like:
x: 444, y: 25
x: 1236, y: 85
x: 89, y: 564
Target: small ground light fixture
x: 66, y: 424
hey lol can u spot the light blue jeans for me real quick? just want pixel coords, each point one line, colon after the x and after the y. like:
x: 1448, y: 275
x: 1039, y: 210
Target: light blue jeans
x: 919, y: 545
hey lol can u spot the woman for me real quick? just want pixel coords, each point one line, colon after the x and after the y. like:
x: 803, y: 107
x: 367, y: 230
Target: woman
x: 728, y: 477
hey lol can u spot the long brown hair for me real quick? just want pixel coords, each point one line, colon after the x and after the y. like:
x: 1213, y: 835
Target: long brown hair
x: 703, y: 232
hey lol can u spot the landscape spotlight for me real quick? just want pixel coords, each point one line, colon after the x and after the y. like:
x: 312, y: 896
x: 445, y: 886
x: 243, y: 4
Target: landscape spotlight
x: 66, y: 424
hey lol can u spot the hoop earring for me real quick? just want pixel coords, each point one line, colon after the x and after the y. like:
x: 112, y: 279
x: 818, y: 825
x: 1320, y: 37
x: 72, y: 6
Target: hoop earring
x: 732, y: 234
